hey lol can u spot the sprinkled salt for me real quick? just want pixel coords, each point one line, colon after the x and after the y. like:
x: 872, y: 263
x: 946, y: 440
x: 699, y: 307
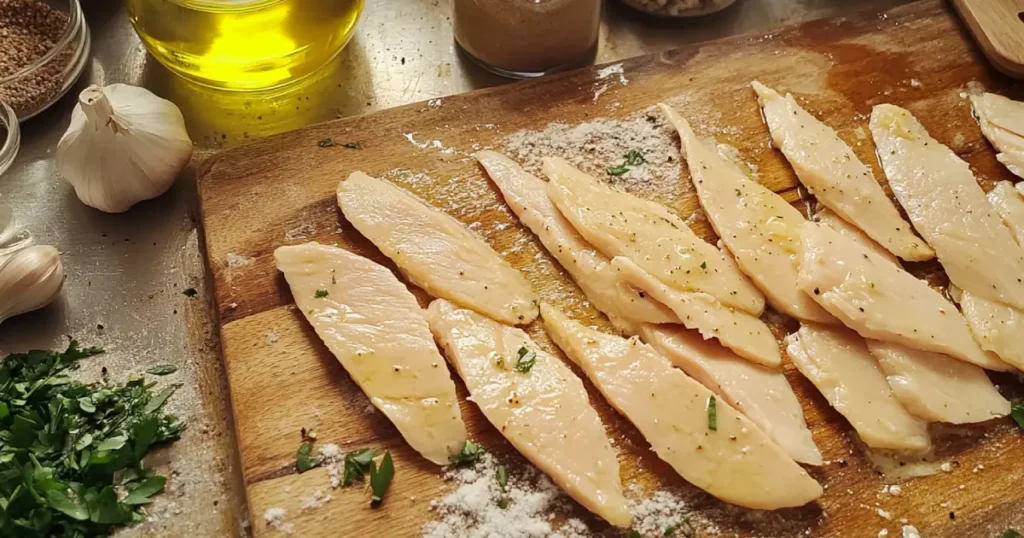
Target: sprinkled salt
x: 274, y: 518
x: 946, y: 467
x: 910, y: 531
x: 271, y: 336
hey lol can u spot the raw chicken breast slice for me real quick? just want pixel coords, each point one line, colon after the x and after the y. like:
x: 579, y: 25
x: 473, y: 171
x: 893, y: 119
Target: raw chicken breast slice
x: 706, y: 441
x: 620, y: 224
x: 377, y: 331
x: 839, y: 364
x: 949, y: 208
x: 435, y: 251
x: 831, y: 171
x: 937, y: 388
x: 827, y: 217
x: 880, y: 300
x: 537, y: 403
x: 739, y: 331
x: 1002, y: 122
x: 759, y: 227
x: 527, y: 196
x: 997, y: 328
x: 1009, y: 203
x: 763, y: 395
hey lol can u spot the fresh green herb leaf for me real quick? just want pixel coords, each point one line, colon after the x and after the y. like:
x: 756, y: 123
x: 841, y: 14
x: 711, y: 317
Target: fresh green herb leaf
x: 739, y: 193
x: 357, y: 464
x: 162, y: 369
x: 669, y: 530
x: 471, y: 452
x: 1010, y: 533
x: 527, y: 358
x: 190, y: 292
x: 617, y: 170
x: 704, y: 264
x: 141, y: 493
x: 325, y: 143
x: 303, y: 460
x: 380, y: 478
x: 502, y: 476
x: 502, y: 503
x: 713, y: 414
x: 1017, y: 412
x: 158, y: 401
x: 353, y: 145
x: 634, y: 534
x: 60, y: 501
x: 320, y: 294
x: 635, y: 158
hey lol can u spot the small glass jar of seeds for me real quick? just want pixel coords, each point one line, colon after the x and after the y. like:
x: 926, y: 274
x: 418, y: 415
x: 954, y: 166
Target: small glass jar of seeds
x: 44, y: 45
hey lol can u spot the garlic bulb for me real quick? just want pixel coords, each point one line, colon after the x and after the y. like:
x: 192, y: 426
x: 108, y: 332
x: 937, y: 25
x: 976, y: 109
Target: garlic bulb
x: 124, y: 145
x: 30, y: 279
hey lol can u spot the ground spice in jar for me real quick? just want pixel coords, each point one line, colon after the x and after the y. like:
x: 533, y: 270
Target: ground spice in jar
x: 29, y: 29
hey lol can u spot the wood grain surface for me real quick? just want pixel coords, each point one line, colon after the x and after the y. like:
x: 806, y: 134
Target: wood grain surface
x: 281, y: 191
x: 998, y: 25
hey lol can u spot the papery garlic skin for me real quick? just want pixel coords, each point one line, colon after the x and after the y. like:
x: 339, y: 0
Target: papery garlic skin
x: 30, y: 279
x: 124, y: 145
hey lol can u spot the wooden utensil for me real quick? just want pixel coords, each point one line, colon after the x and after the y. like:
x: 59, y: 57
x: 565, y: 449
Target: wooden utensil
x: 281, y: 191
x: 998, y: 26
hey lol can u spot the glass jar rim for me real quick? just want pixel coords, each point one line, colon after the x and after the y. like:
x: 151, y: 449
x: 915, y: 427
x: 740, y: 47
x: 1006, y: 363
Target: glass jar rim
x: 10, y: 146
x: 75, y: 19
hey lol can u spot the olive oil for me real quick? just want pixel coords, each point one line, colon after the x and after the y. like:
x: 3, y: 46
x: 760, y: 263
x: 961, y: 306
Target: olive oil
x: 244, y: 44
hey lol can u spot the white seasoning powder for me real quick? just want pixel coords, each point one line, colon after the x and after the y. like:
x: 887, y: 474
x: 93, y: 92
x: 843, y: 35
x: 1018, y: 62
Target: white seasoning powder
x: 274, y: 518
x: 910, y: 531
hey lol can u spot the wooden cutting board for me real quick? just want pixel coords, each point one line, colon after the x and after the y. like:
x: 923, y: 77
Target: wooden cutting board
x: 281, y: 191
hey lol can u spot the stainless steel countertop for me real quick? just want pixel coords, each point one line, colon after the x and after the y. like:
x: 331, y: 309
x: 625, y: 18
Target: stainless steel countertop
x: 126, y: 273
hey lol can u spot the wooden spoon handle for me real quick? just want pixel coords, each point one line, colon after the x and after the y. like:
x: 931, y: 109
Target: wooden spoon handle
x: 998, y: 26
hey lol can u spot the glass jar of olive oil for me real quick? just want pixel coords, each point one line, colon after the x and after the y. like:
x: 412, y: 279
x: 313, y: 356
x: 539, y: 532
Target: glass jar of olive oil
x: 244, y: 44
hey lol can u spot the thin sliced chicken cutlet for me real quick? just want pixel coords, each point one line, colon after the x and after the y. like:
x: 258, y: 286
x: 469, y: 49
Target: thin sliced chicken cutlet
x: 620, y: 224
x: 762, y: 394
x: 739, y: 331
x: 997, y: 328
x: 937, y: 388
x: 542, y: 410
x: 759, y: 227
x: 831, y: 171
x: 435, y: 251
x: 714, y: 448
x: 527, y: 196
x: 377, y: 331
x: 1009, y: 204
x: 949, y: 208
x: 839, y: 364
x: 1002, y: 122
x: 926, y: 383
x: 881, y: 301
x: 827, y: 217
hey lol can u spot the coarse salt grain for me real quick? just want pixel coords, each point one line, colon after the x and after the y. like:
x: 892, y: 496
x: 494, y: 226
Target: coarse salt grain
x: 274, y: 518
x: 946, y: 467
x: 910, y: 531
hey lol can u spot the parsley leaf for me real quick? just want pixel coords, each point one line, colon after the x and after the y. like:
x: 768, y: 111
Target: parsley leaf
x: 303, y: 460
x: 353, y: 145
x: 380, y: 479
x: 1010, y: 533
x: 320, y: 294
x: 1017, y: 412
x: 617, y: 170
x: 632, y: 158
x: 713, y: 414
x: 162, y: 369
x: 527, y: 358
x: 502, y: 475
x: 704, y: 264
x: 634, y: 534
x: 325, y: 143
x: 471, y: 452
x: 357, y: 464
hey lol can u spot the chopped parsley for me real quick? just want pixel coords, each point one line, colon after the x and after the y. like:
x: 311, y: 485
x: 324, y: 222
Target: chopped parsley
x: 471, y: 452
x: 71, y: 456
x: 162, y: 369
x: 527, y: 358
x: 1010, y: 533
x: 357, y: 464
x: 320, y: 294
x: 303, y: 460
x: 634, y: 534
x: 502, y: 475
x: 713, y: 414
x: 631, y: 159
x: 380, y: 479
x: 190, y: 292
x: 353, y: 145
x: 704, y: 264
x: 326, y: 143
x: 1017, y: 412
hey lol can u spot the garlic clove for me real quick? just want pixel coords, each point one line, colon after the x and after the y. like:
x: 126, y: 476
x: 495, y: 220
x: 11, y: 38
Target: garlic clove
x: 29, y: 280
x: 11, y: 238
x: 124, y: 145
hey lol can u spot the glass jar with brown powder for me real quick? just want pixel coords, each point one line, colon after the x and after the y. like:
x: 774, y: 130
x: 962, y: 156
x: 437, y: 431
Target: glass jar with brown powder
x: 528, y: 38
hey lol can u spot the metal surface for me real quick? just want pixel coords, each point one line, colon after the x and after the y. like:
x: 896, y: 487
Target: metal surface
x: 126, y: 272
